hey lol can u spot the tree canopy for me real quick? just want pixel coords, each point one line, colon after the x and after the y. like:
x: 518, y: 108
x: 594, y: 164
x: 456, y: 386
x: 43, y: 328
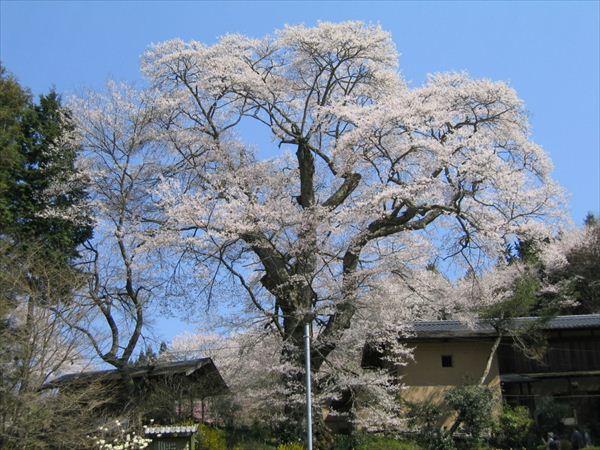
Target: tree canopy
x: 368, y: 178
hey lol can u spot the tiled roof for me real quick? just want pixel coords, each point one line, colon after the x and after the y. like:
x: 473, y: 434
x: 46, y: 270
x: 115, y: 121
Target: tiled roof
x: 581, y: 321
x: 482, y: 328
x: 171, y: 430
x: 160, y: 368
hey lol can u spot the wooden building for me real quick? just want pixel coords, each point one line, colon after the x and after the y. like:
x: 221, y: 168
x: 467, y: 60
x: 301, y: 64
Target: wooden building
x: 167, y: 391
x: 450, y: 353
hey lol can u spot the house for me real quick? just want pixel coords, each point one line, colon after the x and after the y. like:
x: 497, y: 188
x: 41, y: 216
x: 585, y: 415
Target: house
x: 168, y: 390
x: 450, y: 353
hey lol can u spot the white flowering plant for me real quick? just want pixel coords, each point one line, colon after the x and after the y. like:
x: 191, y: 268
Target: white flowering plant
x: 117, y: 437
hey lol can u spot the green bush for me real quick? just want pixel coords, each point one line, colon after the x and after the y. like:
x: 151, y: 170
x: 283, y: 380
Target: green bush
x: 365, y: 441
x: 252, y: 444
x: 210, y: 438
x: 383, y: 443
x: 473, y: 404
x: 343, y: 442
x: 441, y: 441
x: 512, y: 428
x: 424, y: 418
x: 253, y: 437
x: 549, y: 415
x: 217, y: 439
x: 565, y: 444
x: 291, y: 446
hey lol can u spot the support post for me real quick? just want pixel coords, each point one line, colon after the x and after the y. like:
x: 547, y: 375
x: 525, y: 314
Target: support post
x: 308, y: 387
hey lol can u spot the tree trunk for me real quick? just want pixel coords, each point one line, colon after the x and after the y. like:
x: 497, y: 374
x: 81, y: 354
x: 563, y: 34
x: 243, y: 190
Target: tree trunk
x: 294, y: 427
x: 29, y: 347
x: 488, y: 365
x: 486, y: 372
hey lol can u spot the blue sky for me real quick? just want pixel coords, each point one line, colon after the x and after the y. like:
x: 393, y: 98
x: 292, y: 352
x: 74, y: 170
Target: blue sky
x: 548, y: 51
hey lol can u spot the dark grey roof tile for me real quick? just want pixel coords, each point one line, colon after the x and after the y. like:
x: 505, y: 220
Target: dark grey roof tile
x: 456, y: 328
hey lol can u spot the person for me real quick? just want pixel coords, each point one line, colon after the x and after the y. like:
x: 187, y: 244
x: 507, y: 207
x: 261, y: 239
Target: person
x: 577, y: 440
x: 552, y: 443
x: 588, y: 438
x: 547, y: 440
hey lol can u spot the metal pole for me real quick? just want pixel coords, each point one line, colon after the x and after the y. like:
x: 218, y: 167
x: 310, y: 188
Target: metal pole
x: 308, y: 388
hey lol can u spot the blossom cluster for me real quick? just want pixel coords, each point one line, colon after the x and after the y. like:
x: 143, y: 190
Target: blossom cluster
x: 119, y: 438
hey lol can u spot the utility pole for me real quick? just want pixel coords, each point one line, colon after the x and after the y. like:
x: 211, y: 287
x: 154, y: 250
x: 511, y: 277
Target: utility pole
x: 309, y: 445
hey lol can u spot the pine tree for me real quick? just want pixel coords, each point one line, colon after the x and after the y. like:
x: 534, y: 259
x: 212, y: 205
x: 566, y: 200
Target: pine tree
x: 39, y: 184
x: 13, y: 102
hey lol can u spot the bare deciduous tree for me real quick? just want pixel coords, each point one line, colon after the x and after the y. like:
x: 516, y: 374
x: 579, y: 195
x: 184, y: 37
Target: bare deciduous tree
x: 36, y: 345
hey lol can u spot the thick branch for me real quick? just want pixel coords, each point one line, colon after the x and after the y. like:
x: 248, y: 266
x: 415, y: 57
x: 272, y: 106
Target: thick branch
x: 344, y: 191
x: 306, y: 165
x: 272, y: 261
x: 488, y: 365
x: 342, y: 318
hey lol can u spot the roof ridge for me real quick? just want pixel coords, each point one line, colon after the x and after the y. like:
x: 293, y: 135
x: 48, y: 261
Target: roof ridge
x: 566, y: 316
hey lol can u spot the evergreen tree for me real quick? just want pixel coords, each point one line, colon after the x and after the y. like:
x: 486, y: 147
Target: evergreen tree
x: 13, y: 102
x: 580, y: 277
x: 41, y: 192
x: 560, y: 276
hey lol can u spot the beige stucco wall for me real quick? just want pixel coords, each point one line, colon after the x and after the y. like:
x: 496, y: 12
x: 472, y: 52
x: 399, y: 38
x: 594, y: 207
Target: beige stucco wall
x: 426, y: 380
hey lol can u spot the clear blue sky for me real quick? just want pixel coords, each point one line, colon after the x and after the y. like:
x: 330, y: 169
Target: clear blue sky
x: 548, y: 51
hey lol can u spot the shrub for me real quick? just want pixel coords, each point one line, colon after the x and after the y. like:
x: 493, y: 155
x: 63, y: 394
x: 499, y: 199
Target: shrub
x: 473, y: 407
x: 512, y: 428
x: 210, y: 438
x: 254, y: 437
x: 291, y: 446
x: 441, y: 441
x: 253, y: 445
x: 118, y: 437
x: 343, y: 442
x: 473, y: 404
x: 549, y: 414
x: 384, y: 443
x: 372, y: 442
x: 565, y: 444
x: 425, y: 418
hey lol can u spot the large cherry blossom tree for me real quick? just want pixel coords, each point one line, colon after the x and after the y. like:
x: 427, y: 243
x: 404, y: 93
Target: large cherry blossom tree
x: 366, y: 179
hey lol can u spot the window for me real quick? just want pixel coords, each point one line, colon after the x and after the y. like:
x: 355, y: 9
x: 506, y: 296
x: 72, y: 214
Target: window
x: 446, y: 360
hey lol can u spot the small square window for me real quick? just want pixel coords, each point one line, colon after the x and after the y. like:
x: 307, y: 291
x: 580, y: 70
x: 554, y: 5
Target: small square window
x: 446, y: 360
